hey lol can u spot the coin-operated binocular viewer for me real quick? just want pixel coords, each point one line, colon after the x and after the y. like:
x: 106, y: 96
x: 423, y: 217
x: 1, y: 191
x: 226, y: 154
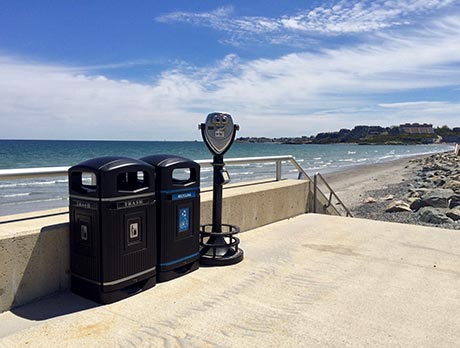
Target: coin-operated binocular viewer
x: 219, y: 245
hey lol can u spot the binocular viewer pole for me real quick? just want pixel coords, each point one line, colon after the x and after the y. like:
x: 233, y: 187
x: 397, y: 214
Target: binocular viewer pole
x: 218, y: 241
x: 217, y: 189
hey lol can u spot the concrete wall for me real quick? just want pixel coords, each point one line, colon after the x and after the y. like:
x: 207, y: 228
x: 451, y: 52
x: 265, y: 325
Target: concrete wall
x: 256, y: 205
x: 34, y: 260
x: 34, y: 253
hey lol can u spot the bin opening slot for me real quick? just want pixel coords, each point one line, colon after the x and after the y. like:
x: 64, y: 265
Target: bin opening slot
x: 135, y: 181
x: 182, y: 176
x: 83, y: 182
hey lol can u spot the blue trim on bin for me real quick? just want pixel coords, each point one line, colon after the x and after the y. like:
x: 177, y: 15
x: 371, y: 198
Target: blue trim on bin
x: 184, y: 195
x: 196, y: 188
x: 179, y: 260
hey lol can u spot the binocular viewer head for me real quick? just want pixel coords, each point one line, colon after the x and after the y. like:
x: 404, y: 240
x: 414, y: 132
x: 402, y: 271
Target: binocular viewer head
x: 218, y: 132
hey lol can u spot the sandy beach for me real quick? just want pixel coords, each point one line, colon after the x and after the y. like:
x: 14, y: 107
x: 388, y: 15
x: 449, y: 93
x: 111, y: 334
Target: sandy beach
x: 352, y: 184
x: 368, y: 190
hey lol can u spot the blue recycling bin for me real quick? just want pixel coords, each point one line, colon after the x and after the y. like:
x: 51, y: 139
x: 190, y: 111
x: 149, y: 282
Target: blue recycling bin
x: 178, y: 214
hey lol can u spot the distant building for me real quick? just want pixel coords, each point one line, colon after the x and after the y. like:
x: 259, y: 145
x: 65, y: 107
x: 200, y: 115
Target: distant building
x: 416, y: 128
x: 376, y: 130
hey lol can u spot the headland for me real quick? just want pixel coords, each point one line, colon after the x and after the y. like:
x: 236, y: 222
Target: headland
x: 404, y: 134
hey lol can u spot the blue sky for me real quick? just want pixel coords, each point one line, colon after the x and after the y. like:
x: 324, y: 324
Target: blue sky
x: 152, y: 70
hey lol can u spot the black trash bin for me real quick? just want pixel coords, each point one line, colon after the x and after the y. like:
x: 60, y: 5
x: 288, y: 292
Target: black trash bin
x: 112, y: 228
x: 178, y: 214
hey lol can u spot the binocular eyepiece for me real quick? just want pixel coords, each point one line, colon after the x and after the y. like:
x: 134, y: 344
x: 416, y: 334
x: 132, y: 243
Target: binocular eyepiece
x: 220, y: 119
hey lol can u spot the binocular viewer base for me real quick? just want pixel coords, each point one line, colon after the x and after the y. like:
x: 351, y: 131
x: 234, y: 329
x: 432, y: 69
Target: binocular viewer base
x: 220, y: 248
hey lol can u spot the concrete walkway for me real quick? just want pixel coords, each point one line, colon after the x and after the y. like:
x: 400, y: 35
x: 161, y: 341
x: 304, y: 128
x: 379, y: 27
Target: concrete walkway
x: 311, y: 281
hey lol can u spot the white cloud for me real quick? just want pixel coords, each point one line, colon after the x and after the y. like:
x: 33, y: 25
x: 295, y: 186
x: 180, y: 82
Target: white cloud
x: 342, y: 17
x: 437, y: 112
x: 420, y: 105
x: 46, y: 101
x: 296, y: 94
x: 361, y: 16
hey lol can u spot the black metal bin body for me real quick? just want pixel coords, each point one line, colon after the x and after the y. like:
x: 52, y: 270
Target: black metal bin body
x: 178, y: 214
x: 112, y: 228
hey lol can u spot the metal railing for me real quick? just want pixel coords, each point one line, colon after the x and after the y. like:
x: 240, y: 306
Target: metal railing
x: 27, y: 173
x: 331, y: 194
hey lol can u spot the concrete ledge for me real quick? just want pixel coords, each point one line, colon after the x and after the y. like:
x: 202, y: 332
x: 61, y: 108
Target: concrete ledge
x: 34, y: 253
x: 253, y: 206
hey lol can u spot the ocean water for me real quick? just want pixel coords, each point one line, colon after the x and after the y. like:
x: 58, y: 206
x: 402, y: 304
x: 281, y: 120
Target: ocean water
x: 18, y: 196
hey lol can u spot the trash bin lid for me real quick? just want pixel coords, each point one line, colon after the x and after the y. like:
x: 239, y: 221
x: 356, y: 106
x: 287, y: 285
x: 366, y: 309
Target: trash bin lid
x: 107, y: 163
x: 113, y: 177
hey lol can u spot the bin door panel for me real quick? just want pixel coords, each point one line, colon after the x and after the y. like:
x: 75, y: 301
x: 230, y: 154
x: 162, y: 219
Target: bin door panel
x: 85, y: 243
x: 179, y: 230
x: 129, y: 237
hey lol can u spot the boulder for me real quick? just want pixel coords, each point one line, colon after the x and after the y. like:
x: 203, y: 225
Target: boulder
x: 370, y: 200
x: 388, y: 198
x: 439, y: 182
x: 454, y: 201
x: 433, y: 216
x: 413, y: 194
x: 421, y: 191
x: 416, y: 204
x: 454, y: 214
x: 433, y: 166
x: 453, y: 185
x: 426, y: 169
x: 438, y: 198
x: 398, y: 206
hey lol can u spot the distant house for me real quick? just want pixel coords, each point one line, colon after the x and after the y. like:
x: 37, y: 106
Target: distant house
x: 416, y: 128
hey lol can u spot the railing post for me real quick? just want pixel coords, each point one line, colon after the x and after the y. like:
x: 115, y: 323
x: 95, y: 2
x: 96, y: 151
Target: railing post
x: 314, y: 192
x: 278, y: 171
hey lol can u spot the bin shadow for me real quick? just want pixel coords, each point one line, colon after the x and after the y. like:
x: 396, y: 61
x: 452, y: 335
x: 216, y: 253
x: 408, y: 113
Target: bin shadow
x: 57, y: 305
x: 43, y: 291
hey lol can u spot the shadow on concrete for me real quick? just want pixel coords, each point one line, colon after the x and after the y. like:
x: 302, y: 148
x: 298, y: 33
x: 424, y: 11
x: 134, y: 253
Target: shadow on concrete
x: 43, y: 291
x: 54, y: 306
x: 6, y: 221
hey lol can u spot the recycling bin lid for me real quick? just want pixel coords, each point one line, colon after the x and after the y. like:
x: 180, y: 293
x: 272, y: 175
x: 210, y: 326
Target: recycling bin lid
x: 174, y: 172
x: 165, y: 160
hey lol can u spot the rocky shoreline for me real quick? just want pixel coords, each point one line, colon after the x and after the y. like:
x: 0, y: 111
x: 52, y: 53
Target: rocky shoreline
x: 428, y: 195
